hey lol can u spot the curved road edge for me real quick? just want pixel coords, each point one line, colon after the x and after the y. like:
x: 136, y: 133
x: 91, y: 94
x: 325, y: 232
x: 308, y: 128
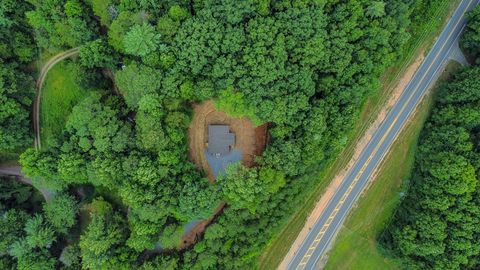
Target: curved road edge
x: 16, y: 172
x: 39, y: 85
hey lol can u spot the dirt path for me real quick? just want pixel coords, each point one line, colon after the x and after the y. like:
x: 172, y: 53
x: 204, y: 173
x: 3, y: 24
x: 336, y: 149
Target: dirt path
x: 336, y: 181
x: 39, y: 85
x: 16, y: 171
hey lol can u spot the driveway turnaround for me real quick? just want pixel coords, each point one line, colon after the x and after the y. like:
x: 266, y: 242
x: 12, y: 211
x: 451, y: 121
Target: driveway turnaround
x: 322, y: 234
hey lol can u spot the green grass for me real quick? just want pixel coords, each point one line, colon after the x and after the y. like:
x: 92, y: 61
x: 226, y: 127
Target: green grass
x: 356, y: 246
x: 60, y: 93
x: 276, y: 250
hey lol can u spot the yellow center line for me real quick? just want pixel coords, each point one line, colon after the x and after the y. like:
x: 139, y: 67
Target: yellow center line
x: 359, y: 174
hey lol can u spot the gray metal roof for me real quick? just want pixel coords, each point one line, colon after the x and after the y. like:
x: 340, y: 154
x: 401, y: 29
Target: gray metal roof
x: 220, y: 140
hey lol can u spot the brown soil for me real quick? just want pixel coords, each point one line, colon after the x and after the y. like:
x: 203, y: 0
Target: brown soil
x: 192, y: 236
x: 250, y: 140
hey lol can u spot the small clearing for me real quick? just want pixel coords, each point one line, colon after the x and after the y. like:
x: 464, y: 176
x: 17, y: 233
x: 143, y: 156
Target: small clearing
x: 250, y: 140
x: 61, y: 93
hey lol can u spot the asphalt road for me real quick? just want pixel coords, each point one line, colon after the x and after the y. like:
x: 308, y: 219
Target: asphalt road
x: 326, y: 227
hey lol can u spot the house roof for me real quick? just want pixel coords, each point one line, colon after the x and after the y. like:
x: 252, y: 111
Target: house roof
x: 220, y: 139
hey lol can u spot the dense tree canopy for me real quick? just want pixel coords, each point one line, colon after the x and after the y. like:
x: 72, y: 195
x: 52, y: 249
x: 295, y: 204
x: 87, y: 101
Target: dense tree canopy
x: 101, y: 244
x: 61, y: 212
x: 303, y: 67
x: 437, y: 224
x: 141, y: 40
x: 61, y: 23
x: 16, y: 85
x: 471, y: 38
x: 29, y: 237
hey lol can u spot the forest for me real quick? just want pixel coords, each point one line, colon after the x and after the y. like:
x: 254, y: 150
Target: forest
x: 304, y: 67
x: 437, y: 225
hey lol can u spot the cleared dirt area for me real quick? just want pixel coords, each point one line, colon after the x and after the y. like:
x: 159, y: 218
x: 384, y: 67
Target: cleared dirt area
x: 249, y: 139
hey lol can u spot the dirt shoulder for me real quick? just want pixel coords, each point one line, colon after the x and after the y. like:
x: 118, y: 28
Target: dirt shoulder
x: 361, y: 144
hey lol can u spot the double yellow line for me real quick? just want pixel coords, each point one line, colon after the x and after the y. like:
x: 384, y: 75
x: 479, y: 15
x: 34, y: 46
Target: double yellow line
x: 334, y: 213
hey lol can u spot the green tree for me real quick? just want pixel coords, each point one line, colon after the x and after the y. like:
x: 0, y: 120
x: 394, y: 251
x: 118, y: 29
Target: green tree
x: 70, y: 256
x: 119, y: 27
x: 39, y: 232
x: 247, y: 188
x: 97, y: 53
x: 149, y: 126
x: 97, y: 127
x: 235, y: 104
x: 470, y: 40
x: 136, y: 81
x: 101, y: 242
x: 171, y: 236
x: 11, y: 228
x: 13, y: 193
x: 36, y: 260
x: 198, y: 200
x: 161, y: 262
x: 376, y: 9
x: 16, y: 40
x: 60, y: 212
x: 141, y: 40
x: 16, y: 89
x: 435, y: 223
x: 105, y: 10
x: 41, y: 167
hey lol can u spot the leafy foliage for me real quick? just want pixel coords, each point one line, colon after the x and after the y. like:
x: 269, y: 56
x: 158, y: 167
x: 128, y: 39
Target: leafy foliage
x: 101, y: 243
x: 136, y: 81
x: 97, y: 53
x: 120, y: 27
x: 64, y: 23
x: 11, y: 224
x: 39, y: 232
x: 304, y: 67
x: 436, y: 225
x: 470, y: 40
x: 141, y: 40
x: 246, y: 188
x: 60, y: 212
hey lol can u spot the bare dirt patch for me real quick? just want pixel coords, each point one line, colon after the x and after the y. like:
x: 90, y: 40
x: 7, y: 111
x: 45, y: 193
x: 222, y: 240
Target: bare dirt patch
x: 192, y: 236
x: 249, y: 139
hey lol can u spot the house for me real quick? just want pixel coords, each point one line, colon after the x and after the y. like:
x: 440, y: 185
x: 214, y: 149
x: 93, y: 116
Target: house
x: 220, y: 140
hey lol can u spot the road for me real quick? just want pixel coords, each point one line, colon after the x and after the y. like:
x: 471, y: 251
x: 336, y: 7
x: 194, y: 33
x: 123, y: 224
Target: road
x: 41, y: 79
x: 16, y: 171
x: 322, y: 234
